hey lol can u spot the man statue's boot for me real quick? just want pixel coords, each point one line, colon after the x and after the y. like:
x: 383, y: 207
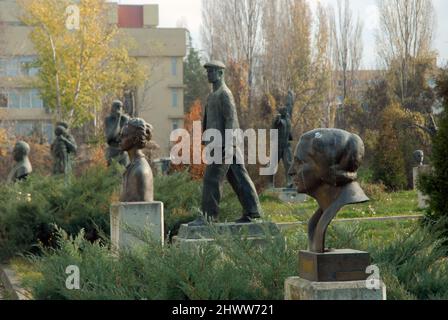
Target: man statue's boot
x: 248, y: 218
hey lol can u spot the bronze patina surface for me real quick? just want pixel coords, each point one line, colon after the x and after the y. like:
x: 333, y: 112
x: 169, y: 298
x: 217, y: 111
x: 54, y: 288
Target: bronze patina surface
x: 138, y: 177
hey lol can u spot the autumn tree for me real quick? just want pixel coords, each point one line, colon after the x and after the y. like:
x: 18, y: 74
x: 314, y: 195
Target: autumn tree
x: 296, y: 57
x: 195, y: 79
x: 347, y: 44
x: 80, y: 63
x: 436, y: 184
x: 231, y: 32
x: 404, y: 39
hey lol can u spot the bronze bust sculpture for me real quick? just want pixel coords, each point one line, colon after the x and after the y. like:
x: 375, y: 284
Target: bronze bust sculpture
x: 138, y: 178
x: 419, y: 157
x: 114, y: 124
x: 23, y: 165
x: 325, y: 167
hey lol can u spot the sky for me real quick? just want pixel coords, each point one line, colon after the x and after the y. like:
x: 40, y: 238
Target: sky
x: 171, y: 12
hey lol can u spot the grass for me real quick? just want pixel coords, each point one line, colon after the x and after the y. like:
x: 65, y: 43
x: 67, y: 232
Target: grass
x: 401, y: 203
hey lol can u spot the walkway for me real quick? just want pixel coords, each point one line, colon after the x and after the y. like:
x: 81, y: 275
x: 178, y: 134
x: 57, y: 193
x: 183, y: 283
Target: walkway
x: 292, y: 225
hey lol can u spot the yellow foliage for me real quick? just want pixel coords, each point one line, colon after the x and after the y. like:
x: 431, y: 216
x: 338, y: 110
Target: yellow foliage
x: 78, y: 68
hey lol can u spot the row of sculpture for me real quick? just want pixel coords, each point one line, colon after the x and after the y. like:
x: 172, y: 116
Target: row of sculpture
x: 324, y: 165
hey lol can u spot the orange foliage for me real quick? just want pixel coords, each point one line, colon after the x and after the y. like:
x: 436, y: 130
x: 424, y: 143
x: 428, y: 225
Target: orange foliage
x: 196, y: 170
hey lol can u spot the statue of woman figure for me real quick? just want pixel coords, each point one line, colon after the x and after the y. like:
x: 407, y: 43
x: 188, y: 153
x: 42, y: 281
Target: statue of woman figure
x: 23, y: 165
x: 325, y: 167
x: 138, y: 178
x: 63, y: 147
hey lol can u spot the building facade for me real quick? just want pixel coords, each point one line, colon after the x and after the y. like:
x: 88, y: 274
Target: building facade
x: 161, y: 50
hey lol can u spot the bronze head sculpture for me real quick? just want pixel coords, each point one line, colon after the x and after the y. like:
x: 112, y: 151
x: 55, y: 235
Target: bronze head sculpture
x: 23, y: 165
x: 138, y: 178
x: 325, y: 167
x: 419, y: 157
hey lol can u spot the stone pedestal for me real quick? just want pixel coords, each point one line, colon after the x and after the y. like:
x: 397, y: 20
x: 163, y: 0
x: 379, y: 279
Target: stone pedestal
x: 288, y: 195
x: 301, y: 289
x: 256, y: 233
x: 139, y: 216
x: 416, y: 172
x: 336, y: 265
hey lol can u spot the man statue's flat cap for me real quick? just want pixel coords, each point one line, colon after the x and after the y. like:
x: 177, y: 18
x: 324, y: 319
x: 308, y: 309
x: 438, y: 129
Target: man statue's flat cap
x: 215, y: 64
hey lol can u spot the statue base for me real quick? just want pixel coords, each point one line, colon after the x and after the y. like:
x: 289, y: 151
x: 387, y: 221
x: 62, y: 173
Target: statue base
x: 301, y: 289
x: 256, y: 233
x: 337, y: 265
x: 416, y: 172
x: 126, y: 218
x: 288, y: 195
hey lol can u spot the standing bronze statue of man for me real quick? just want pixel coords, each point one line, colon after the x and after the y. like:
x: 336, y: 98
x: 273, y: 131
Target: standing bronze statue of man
x: 220, y: 114
x: 282, y: 123
x: 114, y: 124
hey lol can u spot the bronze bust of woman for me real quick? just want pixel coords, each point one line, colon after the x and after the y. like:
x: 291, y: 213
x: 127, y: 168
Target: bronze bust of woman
x: 23, y: 167
x: 138, y: 178
x: 325, y: 167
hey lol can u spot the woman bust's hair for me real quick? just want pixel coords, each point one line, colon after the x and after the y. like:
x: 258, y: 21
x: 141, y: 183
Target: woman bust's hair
x: 339, y: 153
x: 142, y: 131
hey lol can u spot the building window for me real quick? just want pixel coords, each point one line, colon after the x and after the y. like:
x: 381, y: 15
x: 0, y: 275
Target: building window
x: 24, y: 128
x: 22, y: 99
x: 175, y: 124
x: 48, y: 131
x: 36, y: 100
x: 174, y: 66
x: 174, y: 98
x: 19, y: 66
x: 14, y: 99
x: 3, y: 100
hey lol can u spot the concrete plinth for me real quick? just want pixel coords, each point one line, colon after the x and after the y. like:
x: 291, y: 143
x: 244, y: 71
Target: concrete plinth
x: 256, y: 233
x: 288, y: 195
x: 416, y: 172
x: 300, y: 289
x: 139, y: 216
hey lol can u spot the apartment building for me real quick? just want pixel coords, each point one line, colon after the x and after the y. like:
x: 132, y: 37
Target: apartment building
x: 159, y: 101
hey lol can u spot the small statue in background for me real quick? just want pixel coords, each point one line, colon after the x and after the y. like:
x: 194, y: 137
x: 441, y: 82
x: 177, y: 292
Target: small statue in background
x: 282, y: 123
x: 419, y: 157
x: 114, y: 124
x: 138, y: 177
x: 62, y: 149
x: 23, y: 167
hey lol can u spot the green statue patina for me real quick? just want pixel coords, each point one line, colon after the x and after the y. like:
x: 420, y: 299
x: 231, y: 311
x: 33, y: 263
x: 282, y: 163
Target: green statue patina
x: 221, y: 115
x: 22, y: 168
x: 63, y: 149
